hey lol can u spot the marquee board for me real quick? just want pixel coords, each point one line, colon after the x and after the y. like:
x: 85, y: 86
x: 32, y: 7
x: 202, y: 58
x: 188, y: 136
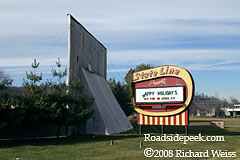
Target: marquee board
x: 162, y: 95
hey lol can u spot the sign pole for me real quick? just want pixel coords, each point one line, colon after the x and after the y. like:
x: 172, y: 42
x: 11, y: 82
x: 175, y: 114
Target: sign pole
x: 186, y: 130
x: 162, y: 129
x: 140, y: 130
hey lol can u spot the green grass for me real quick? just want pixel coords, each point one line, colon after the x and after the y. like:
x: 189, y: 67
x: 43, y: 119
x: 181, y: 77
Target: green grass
x: 206, y: 121
x: 126, y: 146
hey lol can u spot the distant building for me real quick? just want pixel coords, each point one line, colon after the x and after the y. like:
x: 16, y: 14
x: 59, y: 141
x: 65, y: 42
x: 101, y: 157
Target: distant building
x: 233, y: 111
x: 210, y: 113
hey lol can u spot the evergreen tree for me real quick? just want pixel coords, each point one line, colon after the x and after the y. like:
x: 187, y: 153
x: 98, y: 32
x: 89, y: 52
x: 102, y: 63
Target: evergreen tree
x: 44, y: 103
x: 70, y: 108
x: 33, y: 101
x: 5, y: 100
x: 121, y: 92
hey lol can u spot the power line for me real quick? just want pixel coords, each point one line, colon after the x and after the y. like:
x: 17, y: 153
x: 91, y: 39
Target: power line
x: 114, y: 68
x: 54, y: 45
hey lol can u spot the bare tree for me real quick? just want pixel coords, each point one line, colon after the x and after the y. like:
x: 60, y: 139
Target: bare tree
x: 4, y: 80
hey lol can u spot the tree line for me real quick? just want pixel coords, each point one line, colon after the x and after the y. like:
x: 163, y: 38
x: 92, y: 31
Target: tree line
x: 123, y: 91
x: 42, y: 103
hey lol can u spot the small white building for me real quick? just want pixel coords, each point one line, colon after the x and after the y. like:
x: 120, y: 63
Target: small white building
x: 233, y: 111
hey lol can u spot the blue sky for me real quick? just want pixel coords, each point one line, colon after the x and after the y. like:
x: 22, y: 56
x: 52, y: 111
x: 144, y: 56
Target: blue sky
x: 201, y: 36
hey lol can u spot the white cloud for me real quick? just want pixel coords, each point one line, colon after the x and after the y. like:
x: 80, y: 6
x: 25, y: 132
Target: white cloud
x: 196, y: 59
x: 28, y: 17
x: 25, y: 62
x: 118, y: 70
x: 114, y: 22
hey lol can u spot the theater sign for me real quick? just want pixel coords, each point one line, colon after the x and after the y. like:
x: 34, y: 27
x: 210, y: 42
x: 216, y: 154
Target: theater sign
x: 162, y: 95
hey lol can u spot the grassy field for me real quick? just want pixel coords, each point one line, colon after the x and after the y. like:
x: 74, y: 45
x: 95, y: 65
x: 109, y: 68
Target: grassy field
x: 206, y: 121
x: 126, y: 146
